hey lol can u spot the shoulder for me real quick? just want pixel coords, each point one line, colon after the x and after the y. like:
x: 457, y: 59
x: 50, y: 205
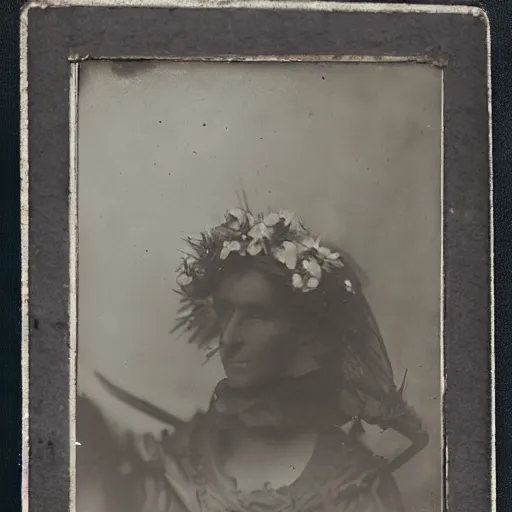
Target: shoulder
x: 344, y: 470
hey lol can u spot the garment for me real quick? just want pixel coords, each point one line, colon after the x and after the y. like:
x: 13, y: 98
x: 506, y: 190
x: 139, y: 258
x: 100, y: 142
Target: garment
x: 184, y: 468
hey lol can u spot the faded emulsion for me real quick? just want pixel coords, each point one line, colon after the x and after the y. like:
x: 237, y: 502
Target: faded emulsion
x: 259, y: 306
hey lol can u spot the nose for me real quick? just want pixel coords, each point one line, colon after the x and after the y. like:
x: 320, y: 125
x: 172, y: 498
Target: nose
x: 231, y: 335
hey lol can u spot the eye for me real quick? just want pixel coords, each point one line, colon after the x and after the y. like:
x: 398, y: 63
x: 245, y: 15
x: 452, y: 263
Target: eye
x: 223, y: 309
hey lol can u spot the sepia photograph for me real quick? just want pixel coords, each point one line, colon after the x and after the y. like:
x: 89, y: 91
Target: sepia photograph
x: 259, y: 286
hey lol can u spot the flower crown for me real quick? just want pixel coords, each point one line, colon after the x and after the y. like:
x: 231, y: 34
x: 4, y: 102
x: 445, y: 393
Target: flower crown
x: 277, y: 234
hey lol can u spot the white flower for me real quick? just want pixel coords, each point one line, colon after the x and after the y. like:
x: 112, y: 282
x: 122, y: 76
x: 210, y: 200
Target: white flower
x: 313, y: 268
x: 271, y: 219
x: 286, y: 217
x: 255, y: 247
x: 286, y: 254
x: 328, y: 264
x: 229, y: 247
x: 189, y: 261
x: 313, y: 283
x: 328, y: 254
x: 308, y: 242
x: 184, y: 279
x: 297, y: 281
x: 348, y: 286
x: 259, y: 232
x: 236, y: 218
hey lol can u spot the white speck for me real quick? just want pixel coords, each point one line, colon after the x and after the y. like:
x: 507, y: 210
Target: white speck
x: 77, y: 443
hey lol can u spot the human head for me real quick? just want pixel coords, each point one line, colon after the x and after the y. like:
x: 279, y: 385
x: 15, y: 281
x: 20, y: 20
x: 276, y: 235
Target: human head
x: 315, y: 291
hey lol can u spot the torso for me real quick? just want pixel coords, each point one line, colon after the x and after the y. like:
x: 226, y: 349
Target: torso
x: 223, y: 462
x: 328, y: 475
x: 257, y: 459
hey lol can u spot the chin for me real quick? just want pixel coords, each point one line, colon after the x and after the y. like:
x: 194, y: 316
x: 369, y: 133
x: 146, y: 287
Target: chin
x: 243, y: 381
x: 239, y: 382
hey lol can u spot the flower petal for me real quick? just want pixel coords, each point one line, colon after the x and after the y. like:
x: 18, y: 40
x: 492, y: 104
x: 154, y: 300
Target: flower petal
x: 271, y: 219
x: 224, y: 253
x: 290, y: 254
x: 189, y: 262
x: 349, y: 286
x: 297, y: 281
x: 238, y: 214
x: 335, y: 263
x: 260, y: 231
x: 254, y: 248
x: 286, y: 217
x: 324, y: 251
x: 313, y: 268
x: 308, y: 242
x: 228, y: 248
x: 184, y: 279
x: 313, y: 282
x: 286, y: 254
x: 234, y: 225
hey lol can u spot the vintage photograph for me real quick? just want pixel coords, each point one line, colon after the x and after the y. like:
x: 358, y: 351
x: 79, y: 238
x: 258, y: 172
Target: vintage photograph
x: 259, y: 286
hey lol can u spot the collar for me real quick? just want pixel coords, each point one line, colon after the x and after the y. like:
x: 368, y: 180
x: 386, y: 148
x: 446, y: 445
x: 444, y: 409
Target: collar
x: 293, y: 402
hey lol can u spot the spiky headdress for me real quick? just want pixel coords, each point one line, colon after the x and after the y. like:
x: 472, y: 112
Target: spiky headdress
x: 278, y: 236
x: 308, y: 268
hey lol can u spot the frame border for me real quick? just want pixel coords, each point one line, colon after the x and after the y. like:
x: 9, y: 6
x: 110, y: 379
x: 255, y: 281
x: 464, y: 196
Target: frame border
x: 34, y: 110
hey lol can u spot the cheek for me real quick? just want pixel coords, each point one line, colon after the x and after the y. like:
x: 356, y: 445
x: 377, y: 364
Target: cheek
x: 270, y: 339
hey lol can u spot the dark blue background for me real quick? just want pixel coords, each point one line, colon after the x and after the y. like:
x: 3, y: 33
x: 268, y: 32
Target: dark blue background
x: 500, y: 14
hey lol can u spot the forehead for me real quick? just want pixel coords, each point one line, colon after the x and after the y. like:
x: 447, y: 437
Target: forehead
x: 247, y: 287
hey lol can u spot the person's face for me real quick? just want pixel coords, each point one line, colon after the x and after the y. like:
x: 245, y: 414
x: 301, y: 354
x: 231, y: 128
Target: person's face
x: 258, y: 337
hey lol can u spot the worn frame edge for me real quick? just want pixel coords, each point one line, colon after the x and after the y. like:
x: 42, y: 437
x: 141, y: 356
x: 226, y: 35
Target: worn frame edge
x: 219, y: 4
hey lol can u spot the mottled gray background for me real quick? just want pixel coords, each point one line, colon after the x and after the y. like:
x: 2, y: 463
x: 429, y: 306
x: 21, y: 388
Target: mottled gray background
x: 354, y: 149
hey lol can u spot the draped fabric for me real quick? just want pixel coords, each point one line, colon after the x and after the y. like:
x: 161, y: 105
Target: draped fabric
x: 183, y: 472
x: 336, y: 479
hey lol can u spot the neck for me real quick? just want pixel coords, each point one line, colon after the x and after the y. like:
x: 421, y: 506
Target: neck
x: 257, y: 390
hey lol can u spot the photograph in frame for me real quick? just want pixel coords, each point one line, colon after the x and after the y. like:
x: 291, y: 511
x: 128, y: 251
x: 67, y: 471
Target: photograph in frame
x: 257, y: 282
x: 356, y: 148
